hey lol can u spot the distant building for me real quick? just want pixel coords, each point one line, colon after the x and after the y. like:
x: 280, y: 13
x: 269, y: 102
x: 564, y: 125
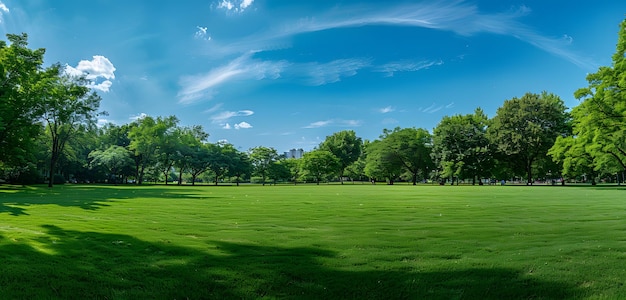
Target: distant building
x: 294, y: 153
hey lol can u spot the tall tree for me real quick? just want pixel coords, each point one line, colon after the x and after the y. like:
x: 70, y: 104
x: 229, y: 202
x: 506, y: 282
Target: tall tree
x: 461, y: 147
x: 344, y: 145
x: 240, y: 166
x: 320, y: 164
x: 68, y: 107
x: 145, y: 136
x: 380, y: 163
x: 525, y: 128
x: 190, y: 139
x: 601, y: 117
x: 21, y: 95
x: 411, y: 147
x: 262, y: 158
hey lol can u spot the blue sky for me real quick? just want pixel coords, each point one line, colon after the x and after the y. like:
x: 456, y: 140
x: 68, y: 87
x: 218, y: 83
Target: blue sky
x: 286, y: 74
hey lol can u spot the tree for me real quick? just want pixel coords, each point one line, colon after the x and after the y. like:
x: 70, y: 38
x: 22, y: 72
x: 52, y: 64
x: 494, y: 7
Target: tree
x: 115, y: 159
x: 240, y: 166
x: 381, y: 163
x: 571, y: 152
x: 168, y: 144
x: 344, y: 145
x: 68, y: 106
x: 525, y: 128
x: 199, y: 161
x: 21, y: 95
x: 320, y: 164
x: 410, y: 148
x: 601, y: 116
x: 262, y: 158
x: 461, y: 146
x: 190, y: 138
x: 293, y: 167
x: 147, y: 135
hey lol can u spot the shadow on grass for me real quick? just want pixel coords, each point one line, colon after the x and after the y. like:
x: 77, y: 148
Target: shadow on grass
x: 14, y: 199
x: 68, y: 264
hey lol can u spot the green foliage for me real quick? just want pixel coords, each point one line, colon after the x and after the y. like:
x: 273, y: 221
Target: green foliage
x: 525, y: 128
x: 461, y: 147
x: 345, y: 146
x: 600, y: 120
x: 400, y: 150
x: 262, y: 159
x: 320, y: 165
x: 21, y: 96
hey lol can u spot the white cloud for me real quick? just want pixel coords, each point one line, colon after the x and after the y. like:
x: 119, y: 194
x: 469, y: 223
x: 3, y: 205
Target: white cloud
x: 243, y: 125
x: 245, y: 3
x: 319, y: 124
x: 138, y: 117
x: 457, y: 16
x: 214, y: 108
x: 102, y: 86
x: 226, y: 4
x: 99, y: 71
x: 226, y: 115
x: 333, y: 71
x: 202, y: 34
x: 226, y: 126
x: 201, y: 86
x: 433, y: 108
x: 237, y: 6
x: 387, y: 109
x: 343, y: 123
x: 406, y: 66
x: 3, y: 10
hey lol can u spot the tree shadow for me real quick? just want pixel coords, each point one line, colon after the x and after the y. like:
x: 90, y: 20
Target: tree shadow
x: 67, y: 264
x: 14, y: 199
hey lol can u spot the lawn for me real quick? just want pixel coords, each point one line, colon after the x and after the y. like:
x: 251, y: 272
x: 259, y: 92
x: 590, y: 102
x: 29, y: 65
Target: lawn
x: 312, y: 242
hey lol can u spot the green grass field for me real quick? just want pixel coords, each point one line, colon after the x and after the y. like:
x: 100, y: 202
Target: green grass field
x: 312, y: 242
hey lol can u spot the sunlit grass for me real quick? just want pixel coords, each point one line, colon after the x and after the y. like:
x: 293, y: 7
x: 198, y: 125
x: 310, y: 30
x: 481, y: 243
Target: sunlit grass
x: 328, y: 241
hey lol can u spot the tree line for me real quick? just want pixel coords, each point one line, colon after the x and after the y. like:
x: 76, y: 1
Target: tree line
x: 48, y: 131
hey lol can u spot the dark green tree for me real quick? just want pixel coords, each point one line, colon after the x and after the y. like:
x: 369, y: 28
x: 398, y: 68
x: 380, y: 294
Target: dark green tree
x: 461, y: 146
x: 525, y: 128
x: 344, y: 145
x: 21, y: 95
x: 69, y: 106
x: 262, y: 158
x: 320, y: 164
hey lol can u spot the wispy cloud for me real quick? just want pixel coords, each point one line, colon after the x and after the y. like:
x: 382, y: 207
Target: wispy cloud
x: 387, y: 109
x: 333, y: 71
x: 456, y: 16
x: 100, y: 71
x: 337, y: 122
x: 433, y: 108
x: 406, y: 66
x: 202, y: 34
x: 195, y: 88
x: 319, y: 124
x: 214, y: 108
x: 226, y: 115
x: 3, y: 10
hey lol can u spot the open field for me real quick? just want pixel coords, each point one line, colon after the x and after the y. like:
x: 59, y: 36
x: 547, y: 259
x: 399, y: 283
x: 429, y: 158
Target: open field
x: 328, y: 241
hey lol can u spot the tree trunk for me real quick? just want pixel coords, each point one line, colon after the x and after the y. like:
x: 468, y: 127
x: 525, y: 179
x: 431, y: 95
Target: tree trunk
x: 180, y: 177
x: 415, y: 178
